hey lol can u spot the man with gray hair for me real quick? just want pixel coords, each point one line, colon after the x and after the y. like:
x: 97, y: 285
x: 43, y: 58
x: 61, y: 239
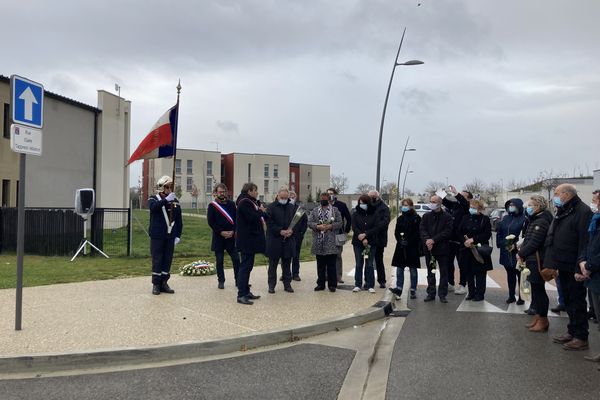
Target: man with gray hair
x: 565, y: 245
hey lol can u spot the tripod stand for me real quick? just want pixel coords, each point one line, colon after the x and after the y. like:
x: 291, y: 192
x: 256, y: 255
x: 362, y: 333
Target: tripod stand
x: 85, y: 242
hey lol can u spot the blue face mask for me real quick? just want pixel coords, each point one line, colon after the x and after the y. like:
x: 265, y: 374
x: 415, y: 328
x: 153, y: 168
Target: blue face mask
x: 557, y: 201
x: 364, y: 206
x: 529, y: 211
x: 405, y: 208
x: 512, y: 209
x: 473, y: 211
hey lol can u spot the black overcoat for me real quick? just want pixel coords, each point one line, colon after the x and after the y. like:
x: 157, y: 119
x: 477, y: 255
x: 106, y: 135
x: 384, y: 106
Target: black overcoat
x: 219, y: 223
x: 408, y: 246
x: 479, y: 228
x: 279, y: 217
x: 250, y: 232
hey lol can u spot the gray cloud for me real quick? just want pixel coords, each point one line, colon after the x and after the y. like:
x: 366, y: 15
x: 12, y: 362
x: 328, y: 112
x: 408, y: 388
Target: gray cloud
x: 228, y: 126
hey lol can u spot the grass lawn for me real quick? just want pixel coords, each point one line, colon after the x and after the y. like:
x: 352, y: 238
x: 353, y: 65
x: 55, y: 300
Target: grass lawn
x: 194, y: 245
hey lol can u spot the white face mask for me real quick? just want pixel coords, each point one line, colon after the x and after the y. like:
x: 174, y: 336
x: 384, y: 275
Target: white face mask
x: 292, y: 201
x: 594, y: 207
x: 434, y: 206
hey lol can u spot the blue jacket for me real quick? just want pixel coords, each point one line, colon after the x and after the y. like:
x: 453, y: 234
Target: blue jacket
x: 158, y: 223
x: 219, y: 223
x: 511, y: 224
x: 592, y: 256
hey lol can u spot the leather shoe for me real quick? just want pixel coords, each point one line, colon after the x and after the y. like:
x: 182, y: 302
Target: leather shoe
x: 382, y: 285
x: 319, y: 288
x: 288, y: 289
x: 510, y: 300
x: 340, y: 281
x: 520, y: 302
x: 252, y: 296
x: 165, y: 288
x: 428, y: 299
x: 595, y: 358
x: 469, y: 297
x: 244, y: 300
x: 296, y: 278
x: 413, y: 295
x: 558, y: 309
x: 443, y: 299
x: 530, y: 311
x: 221, y: 285
x: 271, y: 290
x: 576, y: 344
x: 156, y: 289
x: 332, y: 289
x: 560, y: 339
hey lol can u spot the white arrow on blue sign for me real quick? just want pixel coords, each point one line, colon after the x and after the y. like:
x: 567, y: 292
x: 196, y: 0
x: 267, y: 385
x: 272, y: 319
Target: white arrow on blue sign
x: 27, y: 99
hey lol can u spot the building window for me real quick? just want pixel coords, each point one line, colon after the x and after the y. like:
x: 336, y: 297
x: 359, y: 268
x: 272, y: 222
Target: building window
x: 190, y: 170
x: 276, y: 184
x: 266, y: 170
x: 189, y: 183
x: 249, y: 172
x: 208, y: 185
x: 309, y: 174
x: 5, y: 192
x: 178, y: 167
x: 266, y: 185
x: 209, y: 168
x: 177, y: 182
x: 293, y: 177
x: 275, y: 170
x: 6, y: 121
x: 308, y: 187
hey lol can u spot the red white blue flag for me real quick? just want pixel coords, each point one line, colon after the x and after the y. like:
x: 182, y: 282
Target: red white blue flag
x: 162, y: 139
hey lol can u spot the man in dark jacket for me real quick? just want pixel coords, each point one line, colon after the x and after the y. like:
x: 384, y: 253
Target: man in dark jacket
x: 221, y: 219
x: 165, y: 230
x: 249, y: 237
x: 436, y: 230
x: 565, y: 244
x: 299, y: 230
x: 458, y: 207
x: 280, y: 240
x: 382, y: 219
x: 347, y: 221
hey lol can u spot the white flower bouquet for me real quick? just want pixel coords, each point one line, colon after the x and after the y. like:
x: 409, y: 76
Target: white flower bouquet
x: 510, y: 243
x: 196, y: 268
x: 297, y: 217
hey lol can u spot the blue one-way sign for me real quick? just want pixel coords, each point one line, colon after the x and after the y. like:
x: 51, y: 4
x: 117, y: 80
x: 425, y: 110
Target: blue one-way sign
x: 27, y: 99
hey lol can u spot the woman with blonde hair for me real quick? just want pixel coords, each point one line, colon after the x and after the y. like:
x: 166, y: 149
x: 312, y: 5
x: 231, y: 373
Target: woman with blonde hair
x: 532, y: 253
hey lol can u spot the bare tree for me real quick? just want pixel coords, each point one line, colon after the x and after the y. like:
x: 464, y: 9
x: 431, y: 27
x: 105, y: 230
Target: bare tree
x: 476, y: 186
x: 433, y: 187
x: 515, y: 184
x: 339, y: 182
x: 548, y: 180
x: 493, y: 190
x: 364, y: 188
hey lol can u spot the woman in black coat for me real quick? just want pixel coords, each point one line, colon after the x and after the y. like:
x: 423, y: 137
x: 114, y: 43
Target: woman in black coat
x: 476, y: 229
x: 408, y: 248
x: 365, y: 232
x: 532, y: 252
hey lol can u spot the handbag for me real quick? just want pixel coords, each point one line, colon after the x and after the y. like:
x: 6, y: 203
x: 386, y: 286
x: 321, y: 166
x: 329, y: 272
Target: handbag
x: 340, y: 239
x: 547, y: 274
x: 485, y: 250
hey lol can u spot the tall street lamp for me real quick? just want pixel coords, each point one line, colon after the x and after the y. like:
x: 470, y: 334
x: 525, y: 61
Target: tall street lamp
x: 387, y: 95
x: 400, y: 172
x: 408, y: 171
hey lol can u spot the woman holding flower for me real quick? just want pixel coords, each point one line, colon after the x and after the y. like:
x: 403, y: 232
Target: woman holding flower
x: 507, y: 235
x: 408, y: 248
x: 325, y: 221
x: 476, y: 230
x: 364, y: 232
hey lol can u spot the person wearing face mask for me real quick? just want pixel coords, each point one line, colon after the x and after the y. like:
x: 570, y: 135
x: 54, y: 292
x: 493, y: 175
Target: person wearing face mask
x: 532, y: 252
x: 220, y: 216
x: 589, y: 264
x: 165, y: 230
x: 346, y: 226
x: 325, y: 221
x: 382, y: 212
x: 565, y: 245
x: 408, y: 248
x: 435, y: 231
x: 476, y: 229
x: 364, y: 234
x: 300, y: 230
x: 511, y: 224
x: 281, y: 243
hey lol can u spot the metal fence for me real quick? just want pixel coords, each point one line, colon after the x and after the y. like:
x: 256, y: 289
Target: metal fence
x: 59, y: 231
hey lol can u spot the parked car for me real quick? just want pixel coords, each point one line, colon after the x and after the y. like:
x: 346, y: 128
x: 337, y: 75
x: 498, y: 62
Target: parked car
x: 496, y: 216
x: 422, y: 209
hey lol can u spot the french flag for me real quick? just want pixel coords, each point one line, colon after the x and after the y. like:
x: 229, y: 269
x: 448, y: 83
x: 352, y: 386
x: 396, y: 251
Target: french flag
x: 162, y: 139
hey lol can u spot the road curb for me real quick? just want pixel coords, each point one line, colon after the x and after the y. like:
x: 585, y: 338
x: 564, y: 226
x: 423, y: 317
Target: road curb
x: 41, y: 363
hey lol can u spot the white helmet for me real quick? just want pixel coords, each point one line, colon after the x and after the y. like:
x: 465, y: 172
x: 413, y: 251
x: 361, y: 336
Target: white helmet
x: 163, y: 181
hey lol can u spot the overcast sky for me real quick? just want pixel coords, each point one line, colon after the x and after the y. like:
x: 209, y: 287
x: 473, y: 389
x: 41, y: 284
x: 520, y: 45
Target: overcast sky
x: 508, y: 88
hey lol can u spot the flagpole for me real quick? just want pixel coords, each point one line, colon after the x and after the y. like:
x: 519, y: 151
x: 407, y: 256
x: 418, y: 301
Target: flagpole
x: 175, y: 145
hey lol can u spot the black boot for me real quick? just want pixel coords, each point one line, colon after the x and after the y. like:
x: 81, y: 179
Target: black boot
x: 166, y: 289
x: 156, y: 289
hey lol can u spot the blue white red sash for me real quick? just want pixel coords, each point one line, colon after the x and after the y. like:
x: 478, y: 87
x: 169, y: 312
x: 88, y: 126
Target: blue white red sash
x: 223, y: 212
x: 255, y: 207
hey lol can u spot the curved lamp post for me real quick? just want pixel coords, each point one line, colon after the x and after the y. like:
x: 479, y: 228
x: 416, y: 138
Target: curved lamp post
x: 408, y: 171
x: 387, y: 95
x: 400, y: 173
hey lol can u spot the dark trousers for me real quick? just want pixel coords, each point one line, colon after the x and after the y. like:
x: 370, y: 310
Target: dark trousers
x: 369, y: 273
x: 574, y: 295
x: 513, y: 276
x: 476, y: 281
x: 162, y: 256
x: 442, y: 266
x: 339, y: 267
x: 296, y: 259
x: 379, y: 265
x: 539, y: 297
x: 220, y: 258
x: 596, y: 304
x: 246, y: 265
x: 285, y: 271
x: 326, y: 269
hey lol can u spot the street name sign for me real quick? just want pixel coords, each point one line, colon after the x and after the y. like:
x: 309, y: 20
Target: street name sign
x: 25, y: 139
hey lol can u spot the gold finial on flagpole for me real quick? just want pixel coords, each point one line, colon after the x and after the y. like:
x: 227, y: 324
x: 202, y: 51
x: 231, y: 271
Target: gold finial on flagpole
x: 179, y: 87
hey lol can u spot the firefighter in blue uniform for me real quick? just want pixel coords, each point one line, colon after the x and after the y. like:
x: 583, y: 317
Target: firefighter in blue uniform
x: 165, y: 232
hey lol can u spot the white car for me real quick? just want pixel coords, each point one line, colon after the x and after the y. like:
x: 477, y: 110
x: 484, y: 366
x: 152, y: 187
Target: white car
x: 422, y: 209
